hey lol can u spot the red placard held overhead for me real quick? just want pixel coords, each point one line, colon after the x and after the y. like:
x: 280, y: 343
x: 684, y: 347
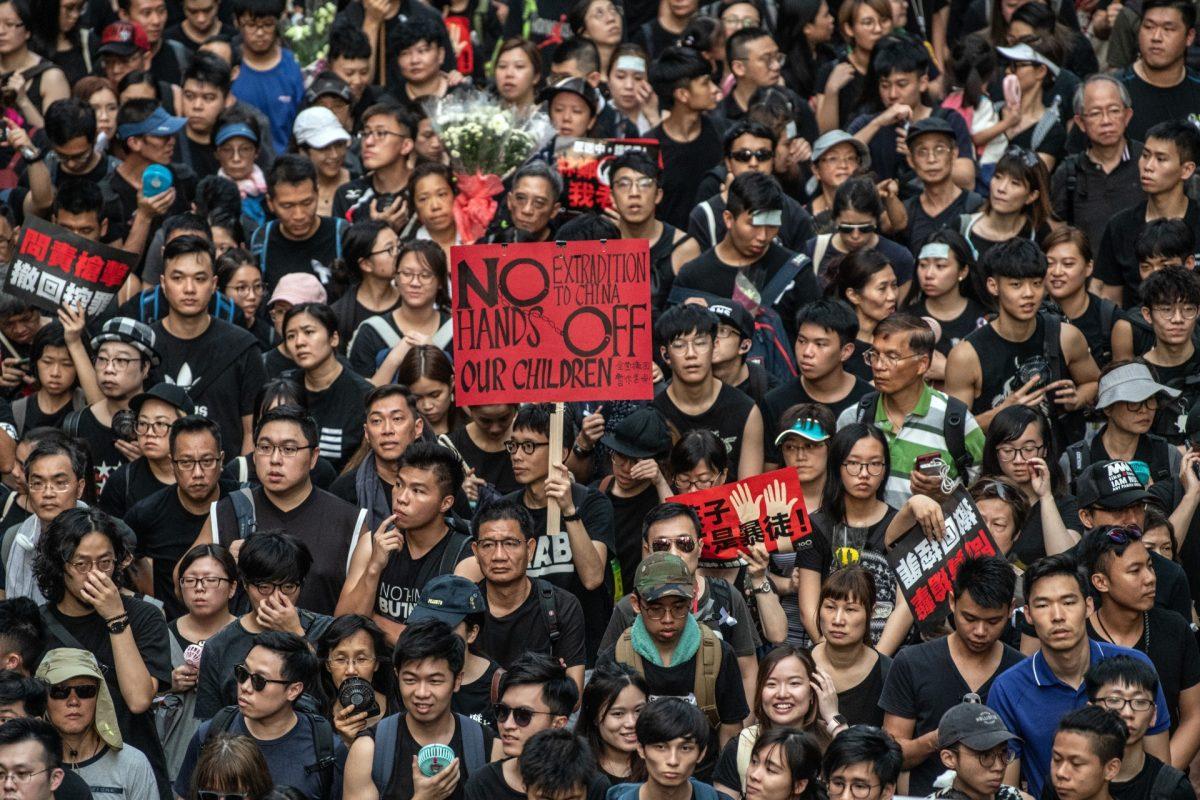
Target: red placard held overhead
x: 552, y: 321
x: 764, y: 509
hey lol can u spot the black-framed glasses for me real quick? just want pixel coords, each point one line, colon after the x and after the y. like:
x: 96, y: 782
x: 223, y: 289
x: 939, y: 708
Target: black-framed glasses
x: 526, y: 447
x: 207, y: 581
x: 859, y: 790
x: 1123, y: 535
x: 188, y: 464
x: 684, y: 544
x: 268, y: 449
x: 159, y: 427
x: 1149, y: 404
x: 266, y: 587
x: 1008, y: 453
x: 987, y: 758
x: 872, y: 468
x: 1114, y: 702
x: 521, y: 715
x: 257, y: 682
x: 84, y: 691
x: 391, y: 249
x: 745, y: 156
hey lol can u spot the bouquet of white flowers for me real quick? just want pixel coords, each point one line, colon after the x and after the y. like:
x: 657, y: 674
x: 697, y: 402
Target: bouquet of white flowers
x: 486, y: 143
x: 308, y: 36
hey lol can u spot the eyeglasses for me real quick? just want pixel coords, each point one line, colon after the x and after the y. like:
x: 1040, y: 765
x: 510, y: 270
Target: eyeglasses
x: 864, y: 228
x: 1185, y: 310
x: 692, y: 484
x: 987, y: 758
x: 422, y: 278
x: 390, y: 249
x: 1149, y: 404
x: 937, y: 151
x: 873, y: 468
x: 207, y: 581
x: 737, y: 23
x: 247, y: 288
x: 257, y: 682
x: 684, y: 544
x: 119, y: 364
x: 38, y: 486
x: 859, y: 790
x: 991, y: 488
x: 526, y: 447
x: 286, y: 450
x: 681, y: 346
x: 1008, y: 453
x: 266, y: 587
x: 84, y: 691
x: 359, y: 662
x: 1124, y: 535
x: 261, y: 25
x: 84, y: 565
x: 841, y: 161
x: 1097, y: 114
x: 20, y: 777
x: 490, y: 545
x: 142, y: 427
x: 213, y: 794
x: 1114, y: 702
x: 746, y: 156
x: 237, y: 151
x: 188, y: 464
x: 657, y: 611
x: 625, y: 184
x: 522, y: 715
x: 874, y: 358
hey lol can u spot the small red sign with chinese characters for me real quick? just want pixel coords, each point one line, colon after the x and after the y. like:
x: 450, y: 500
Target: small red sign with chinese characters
x: 765, y: 509
x: 582, y: 163
x: 927, y: 569
x: 54, y: 267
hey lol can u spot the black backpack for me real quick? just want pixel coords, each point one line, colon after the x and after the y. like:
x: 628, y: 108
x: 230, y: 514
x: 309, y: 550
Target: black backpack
x: 322, y: 742
x: 954, y: 428
x: 1079, y: 458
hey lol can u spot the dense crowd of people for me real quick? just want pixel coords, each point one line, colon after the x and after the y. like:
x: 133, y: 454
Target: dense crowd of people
x: 252, y: 548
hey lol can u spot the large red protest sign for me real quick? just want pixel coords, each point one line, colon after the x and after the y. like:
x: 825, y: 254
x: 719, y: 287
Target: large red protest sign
x: 765, y: 509
x: 54, y: 267
x: 552, y: 321
x: 927, y: 568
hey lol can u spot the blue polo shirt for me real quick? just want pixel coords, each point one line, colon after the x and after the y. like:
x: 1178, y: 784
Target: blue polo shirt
x: 1031, y: 700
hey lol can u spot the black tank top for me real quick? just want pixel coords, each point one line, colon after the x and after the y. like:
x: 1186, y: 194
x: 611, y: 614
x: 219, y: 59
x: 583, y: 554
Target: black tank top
x: 999, y: 362
x: 400, y: 783
x: 662, y: 274
x: 726, y: 417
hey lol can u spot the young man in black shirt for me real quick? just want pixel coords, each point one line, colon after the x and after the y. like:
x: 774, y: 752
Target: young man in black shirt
x: 1170, y: 303
x: 535, y: 694
x: 1160, y: 82
x: 826, y: 330
x: 1122, y: 575
x: 428, y: 660
x: 76, y: 561
x: 285, y: 452
x: 636, y: 445
x: 973, y: 744
x: 299, y: 239
x: 689, y: 141
x: 532, y: 205
x: 932, y: 154
x: 928, y: 679
x: 205, y: 94
x: 481, y: 444
x: 518, y: 619
x: 575, y: 557
x: 1127, y: 687
x: 753, y: 215
x: 1091, y: 741
x: 863, y: 763
x: 695, y: 398
x: 71, y: 132
x: 272, y: 567
x: 1168, y: 160
x: 412, y: 546
x: 201, y: 22
x: 388, y: 130
x: 169, y: 520
x: 218, y: 364
x: 735, y: 335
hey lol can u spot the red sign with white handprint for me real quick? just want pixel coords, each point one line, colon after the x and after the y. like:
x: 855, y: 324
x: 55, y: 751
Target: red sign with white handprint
x: 765, y: 509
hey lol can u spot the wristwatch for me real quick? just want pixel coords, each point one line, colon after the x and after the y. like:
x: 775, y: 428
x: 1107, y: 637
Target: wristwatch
x: 764, y: 588
x: 838, y: 721
x: 117, y: 625
x: 571, y: 517
x: 579, y: 451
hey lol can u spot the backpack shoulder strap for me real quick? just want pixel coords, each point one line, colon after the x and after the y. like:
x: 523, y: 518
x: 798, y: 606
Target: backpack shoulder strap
x: 70, y: 424
x: 1160, y: 459
x: 444, y: 335
x: 386, y: 735
x: 1163, y: 787
x: 549, y: 604
x: 625, y: 654
x: 866, y: 405
x: 954, y: 430
x: 783, y: 278
x: 1078, y: 458
x: 456, y: 543
x: 707, y: 665
x: 221, y: 721
x: 710, y: 221
x: 243, y: 509
x: 385, y: 331
x: 820, y: 248
x: 745, y: 747
x: 243, y: 471
x: 19, y: 407
x: 322, y: 731
x: 1052, y: 344
x: 1043, y: 126
x: 472, y: 738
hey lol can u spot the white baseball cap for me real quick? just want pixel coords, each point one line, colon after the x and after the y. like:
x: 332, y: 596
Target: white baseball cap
x: 317, y: 127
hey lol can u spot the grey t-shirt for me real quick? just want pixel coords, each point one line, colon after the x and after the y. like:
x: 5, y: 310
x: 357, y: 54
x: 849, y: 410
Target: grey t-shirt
x: 123, y: 774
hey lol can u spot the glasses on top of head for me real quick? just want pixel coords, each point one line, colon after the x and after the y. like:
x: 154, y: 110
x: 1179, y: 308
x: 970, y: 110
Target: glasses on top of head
x: 1123, y: 535
x: 1026, y: 157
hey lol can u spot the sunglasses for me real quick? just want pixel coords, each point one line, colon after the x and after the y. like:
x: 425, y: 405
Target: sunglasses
x: 1126, y: 535
x: 257, y: 682
x: 684, y: 544
x: 85, y: 691
x: 746, y: 156
x: 522, y: 716
x: 866, y: 228
x: 209, y: 794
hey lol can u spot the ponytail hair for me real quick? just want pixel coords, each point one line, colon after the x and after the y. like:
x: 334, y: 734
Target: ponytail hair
x: 358, y: 242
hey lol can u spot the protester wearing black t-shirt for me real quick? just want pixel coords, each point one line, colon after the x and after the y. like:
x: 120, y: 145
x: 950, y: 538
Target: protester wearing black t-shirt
x: 298, y: 239
x: 481, y: 444
x: 933, y: 148
x: 167, y: 522
x: 217, y: 363
x: 689, y: 141
x: 389, y: 569
x: 284, y: 453
x: 695, y: 398
x: 154, y: 413
x: 77, y: 556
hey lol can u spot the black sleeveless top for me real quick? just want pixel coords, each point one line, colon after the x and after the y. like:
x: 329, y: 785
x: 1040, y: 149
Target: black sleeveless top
x: 726, y: 417
x: 954, y: 330
x: 999, y: 362
x: 662, y: 274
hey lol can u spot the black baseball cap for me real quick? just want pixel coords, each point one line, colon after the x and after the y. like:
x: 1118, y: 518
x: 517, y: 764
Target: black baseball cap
x: 930, y: 124
x: 450, y: 598
x: 1109, y: 485
x: 975, y: 725
x: 642, y: 434
x: 169, y: 393
x: 735, y: 315
x: 1191, y: 427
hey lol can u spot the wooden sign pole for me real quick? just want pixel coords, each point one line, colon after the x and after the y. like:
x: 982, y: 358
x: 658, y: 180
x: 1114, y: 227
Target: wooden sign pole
x: 556, y: 449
